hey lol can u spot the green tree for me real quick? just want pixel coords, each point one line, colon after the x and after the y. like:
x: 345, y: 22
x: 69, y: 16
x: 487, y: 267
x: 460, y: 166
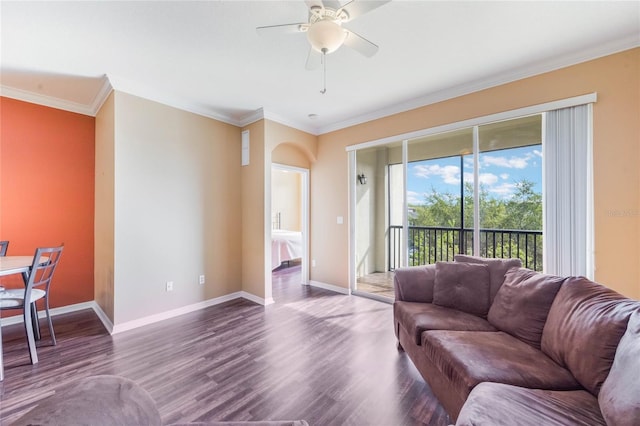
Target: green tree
x: 521, y: 211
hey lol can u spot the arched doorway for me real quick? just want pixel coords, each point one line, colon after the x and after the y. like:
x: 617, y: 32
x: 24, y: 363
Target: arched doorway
x: 288, y: 212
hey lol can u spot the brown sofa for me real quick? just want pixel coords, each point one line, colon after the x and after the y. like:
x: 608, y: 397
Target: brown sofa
x: 501, y: 344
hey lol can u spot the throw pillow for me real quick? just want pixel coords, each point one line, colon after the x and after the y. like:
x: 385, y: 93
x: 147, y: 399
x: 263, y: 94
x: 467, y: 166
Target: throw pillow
x: 497, y: 269
x: 462, y: 286
x: 522, y: 304
x: 618, y: 398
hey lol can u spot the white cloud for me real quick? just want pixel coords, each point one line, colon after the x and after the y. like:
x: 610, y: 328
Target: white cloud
x: 449, y: 174
x: 415, y: 197
x: 505, y: 189
x: 496, y: 176
x: 510, y: 162
x: 487, y: 178
x: 484, y: 178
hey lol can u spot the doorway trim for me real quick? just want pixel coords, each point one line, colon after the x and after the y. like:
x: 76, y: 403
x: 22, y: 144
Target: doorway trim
x: 304, y: 208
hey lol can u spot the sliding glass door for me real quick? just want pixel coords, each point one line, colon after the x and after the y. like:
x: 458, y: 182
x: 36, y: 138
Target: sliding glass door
x: 475, y: 190
x: 510, y: 195
x: 439, y: 196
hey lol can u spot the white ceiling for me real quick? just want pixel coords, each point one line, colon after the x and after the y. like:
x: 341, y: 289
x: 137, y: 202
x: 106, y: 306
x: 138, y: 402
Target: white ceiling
x: 207, y: 57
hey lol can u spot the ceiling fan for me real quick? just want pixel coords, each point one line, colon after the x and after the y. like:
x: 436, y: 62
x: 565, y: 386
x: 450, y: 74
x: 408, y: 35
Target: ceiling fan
x: 325, y: 31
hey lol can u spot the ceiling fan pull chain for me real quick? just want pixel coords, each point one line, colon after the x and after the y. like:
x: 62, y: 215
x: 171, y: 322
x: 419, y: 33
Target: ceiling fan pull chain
x: 324, y: 71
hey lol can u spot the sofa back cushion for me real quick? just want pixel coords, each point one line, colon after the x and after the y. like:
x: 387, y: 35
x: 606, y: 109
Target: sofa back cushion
x: 522, y: 304
x: 415, y: 283
x: 585, y: 324
x: 497, y: 269
x: 619, y: 397
x: 462, y: 286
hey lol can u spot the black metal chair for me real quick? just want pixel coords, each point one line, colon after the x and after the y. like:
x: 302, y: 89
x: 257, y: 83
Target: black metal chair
x: 37, y: 286
x: 4, y: 245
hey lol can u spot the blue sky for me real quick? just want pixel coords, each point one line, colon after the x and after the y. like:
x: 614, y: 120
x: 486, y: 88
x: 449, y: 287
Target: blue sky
x: 499, y: 172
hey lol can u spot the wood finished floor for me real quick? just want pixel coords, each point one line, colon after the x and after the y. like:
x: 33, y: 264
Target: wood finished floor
x: 315, y: 355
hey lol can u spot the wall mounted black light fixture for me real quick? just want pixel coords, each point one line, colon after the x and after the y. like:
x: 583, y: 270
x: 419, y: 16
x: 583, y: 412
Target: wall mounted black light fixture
x: 362, y: 179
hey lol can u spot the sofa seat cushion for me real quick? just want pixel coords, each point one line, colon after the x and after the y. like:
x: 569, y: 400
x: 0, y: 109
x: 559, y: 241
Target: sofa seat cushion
x: 500, y: 404
x: 469, y: 358
x: 418, y: 317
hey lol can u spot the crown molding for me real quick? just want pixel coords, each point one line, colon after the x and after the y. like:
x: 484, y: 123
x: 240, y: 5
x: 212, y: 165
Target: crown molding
x: 63, y: 104
x: 251, y: 118
x: 101, y: 96
x: 112, y: 82
x: 291, y: 123
x: 48, y: 101
x: 153, y: 94
x: 595, y: 52
x: 261, y: 114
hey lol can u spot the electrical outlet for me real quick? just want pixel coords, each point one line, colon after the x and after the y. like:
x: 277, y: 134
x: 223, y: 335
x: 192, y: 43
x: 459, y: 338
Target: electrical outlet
x: 169, y: 286
x: 201, y: 279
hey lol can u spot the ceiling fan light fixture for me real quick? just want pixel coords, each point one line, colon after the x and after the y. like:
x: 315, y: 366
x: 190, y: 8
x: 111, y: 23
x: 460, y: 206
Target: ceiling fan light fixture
x: 326, y: 36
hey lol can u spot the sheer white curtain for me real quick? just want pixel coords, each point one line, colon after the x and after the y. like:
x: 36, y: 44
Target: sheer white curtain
x: 568, y: 192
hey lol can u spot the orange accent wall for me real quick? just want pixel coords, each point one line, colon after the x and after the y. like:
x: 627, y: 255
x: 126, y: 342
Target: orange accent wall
x: 47, y: 163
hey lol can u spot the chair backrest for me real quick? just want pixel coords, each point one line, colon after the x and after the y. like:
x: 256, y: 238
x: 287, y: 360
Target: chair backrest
x: 44, y: 265
x: 3, y: 247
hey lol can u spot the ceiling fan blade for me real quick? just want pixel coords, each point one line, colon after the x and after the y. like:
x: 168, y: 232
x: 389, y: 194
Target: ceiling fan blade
x: 283, y: 29
x: 314, y: 60
x: 360, y: 44
x: 356, y: 8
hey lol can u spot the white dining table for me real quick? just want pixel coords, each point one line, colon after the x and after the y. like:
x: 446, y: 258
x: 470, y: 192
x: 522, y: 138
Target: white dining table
x: 10, y: 265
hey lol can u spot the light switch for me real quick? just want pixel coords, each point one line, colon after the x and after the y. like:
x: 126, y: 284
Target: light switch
x: 340, y: 220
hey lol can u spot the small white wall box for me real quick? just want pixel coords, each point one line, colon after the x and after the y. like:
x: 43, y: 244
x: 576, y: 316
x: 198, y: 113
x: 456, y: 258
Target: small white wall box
x: 245, y: 148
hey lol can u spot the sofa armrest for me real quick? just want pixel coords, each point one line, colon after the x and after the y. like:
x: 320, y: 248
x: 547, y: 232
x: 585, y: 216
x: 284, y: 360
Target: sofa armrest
x: 415, y: 283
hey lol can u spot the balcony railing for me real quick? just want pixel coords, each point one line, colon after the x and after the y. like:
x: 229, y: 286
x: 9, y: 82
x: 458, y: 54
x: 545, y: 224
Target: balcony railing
x: 429, y: 244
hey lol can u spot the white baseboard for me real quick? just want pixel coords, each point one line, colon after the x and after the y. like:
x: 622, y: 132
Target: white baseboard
x: 104, y: 318
x: 255, y: 299
x: 330, y: 287
x: 17, y: 319
x: 130, y: 325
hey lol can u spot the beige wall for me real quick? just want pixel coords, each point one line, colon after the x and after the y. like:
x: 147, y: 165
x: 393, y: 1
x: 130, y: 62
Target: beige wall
x: 104, y: 208
x: 615, y: 78
x: 300, y: 148
x: 290, y: 155
x: 177, y: 208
